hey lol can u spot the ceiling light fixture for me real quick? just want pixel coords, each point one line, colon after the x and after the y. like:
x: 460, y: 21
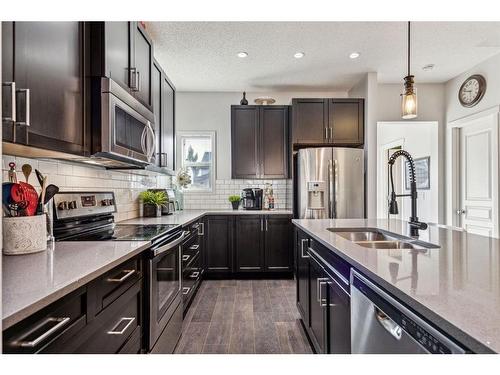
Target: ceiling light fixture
x: 428, y: 67
x: 242, y: 55
x: 354, y: 55
x: 409, y: 95
x: 299, y: 55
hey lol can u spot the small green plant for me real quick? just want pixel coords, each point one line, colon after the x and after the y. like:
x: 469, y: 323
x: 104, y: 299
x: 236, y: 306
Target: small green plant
x: 234, y: 198
x: 157, y: 198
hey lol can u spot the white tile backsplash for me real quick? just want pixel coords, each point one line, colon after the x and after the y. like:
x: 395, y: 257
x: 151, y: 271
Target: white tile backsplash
x: 225, y: 188
x: 73, y: 177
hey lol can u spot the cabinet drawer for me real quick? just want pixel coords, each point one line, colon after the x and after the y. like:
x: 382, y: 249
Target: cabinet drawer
x: 113, y: 327
x: 133, y: 344
x: 190, y: 278
x: 51, y: 329
x: 190, y: 249
x: 115, y: 282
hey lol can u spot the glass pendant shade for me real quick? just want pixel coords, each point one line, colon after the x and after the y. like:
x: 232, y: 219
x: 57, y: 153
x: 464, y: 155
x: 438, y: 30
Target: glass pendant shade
x: 409, y: 99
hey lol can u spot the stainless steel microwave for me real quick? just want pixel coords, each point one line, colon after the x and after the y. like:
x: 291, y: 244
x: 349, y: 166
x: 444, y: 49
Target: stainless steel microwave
x: 122, y: 127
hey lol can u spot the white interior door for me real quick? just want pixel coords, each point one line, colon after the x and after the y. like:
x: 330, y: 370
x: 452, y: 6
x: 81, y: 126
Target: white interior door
x: 479, y: 176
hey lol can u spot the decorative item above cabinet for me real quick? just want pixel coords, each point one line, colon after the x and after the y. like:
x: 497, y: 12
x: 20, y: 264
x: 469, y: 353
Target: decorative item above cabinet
x: 259, y: 141
x: 338, y: 122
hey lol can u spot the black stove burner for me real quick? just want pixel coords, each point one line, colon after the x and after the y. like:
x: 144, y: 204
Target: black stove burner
x: 125, y: 232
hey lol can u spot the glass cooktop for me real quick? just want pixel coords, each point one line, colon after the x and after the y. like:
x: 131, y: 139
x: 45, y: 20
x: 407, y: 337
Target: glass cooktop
x: 126, y: 232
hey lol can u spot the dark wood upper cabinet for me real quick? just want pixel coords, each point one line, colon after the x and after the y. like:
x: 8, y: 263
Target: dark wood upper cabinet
x: 346, y: 118
x: 245, y: 141
x: 123, y: 51
x: 278, y: 243
x: 218, y: 244
x: 259, y: 141
x: 337, y: 122
x: 248, y: 243
x: 274, y: 141
x: 310, y: 121
x: 142, y: 63
x: 167, y: 158
x: 46, y: 60
x: 163, y: 107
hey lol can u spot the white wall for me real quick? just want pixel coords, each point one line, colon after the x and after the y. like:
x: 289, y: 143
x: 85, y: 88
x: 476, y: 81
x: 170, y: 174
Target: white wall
x: 367, y: 88
x: 212, y: 111
x: 420, y: 139
x: 431, y: 107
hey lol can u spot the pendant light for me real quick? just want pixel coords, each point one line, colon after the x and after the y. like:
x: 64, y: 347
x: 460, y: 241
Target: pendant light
x: 409, y: 95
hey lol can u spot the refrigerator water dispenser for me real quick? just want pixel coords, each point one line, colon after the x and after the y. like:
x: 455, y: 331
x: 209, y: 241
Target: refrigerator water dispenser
x: 316, y: 195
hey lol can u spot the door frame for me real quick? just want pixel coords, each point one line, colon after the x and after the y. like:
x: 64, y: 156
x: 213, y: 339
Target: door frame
x: 453, y: 192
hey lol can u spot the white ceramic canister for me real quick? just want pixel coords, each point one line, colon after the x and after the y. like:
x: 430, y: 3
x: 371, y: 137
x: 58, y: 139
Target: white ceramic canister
x: 24, y: 234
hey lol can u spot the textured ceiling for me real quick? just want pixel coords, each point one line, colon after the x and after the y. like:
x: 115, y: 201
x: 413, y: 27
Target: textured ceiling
x: 201, y: 56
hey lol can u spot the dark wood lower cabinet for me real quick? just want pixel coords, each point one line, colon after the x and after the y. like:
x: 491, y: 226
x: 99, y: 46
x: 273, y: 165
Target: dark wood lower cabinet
x: 218, y: 257
x: 323, y: 298
x: 278, y: 243
x: 248, y: 247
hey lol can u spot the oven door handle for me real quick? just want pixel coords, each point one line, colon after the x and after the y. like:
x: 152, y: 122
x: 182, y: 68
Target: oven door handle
x: 170, y: 245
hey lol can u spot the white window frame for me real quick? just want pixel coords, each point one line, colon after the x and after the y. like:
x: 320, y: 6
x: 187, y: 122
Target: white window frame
x: 180, y: 162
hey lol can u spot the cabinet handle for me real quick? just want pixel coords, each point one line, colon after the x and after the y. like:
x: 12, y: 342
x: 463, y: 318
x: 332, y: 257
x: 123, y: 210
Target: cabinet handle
x: 302, y: 242
x: 115, y: 332
x: 266, y: 224
x: 13, y: 101
x: 123, y: 278
x: 185, y: 290
x: 194, y: 247
x: 33, y: 343
x: 320, y: 281
x: 202, y: 226
x: 326, y: 133
x: 133, y: 79
x: 26, y: 121
x: 261, y: 225
x: 138, y: 81
x: 331, y: 133
x: 194, y: 275
x: 185, y: 257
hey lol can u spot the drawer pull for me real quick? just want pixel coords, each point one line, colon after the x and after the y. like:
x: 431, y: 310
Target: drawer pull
x: 186, y: 257
x: 185, y: 290
x: 195, y: 274
x: 123, y: 278
x: 115, y: 332
x: 194, y: 247
x: 33, y: 343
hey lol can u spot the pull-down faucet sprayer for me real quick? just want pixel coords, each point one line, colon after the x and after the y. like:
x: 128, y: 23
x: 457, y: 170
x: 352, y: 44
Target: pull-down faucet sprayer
x: 415, y: 225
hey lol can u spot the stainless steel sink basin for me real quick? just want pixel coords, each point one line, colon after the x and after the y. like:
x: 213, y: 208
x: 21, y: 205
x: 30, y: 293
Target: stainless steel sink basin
x: 374, y: 238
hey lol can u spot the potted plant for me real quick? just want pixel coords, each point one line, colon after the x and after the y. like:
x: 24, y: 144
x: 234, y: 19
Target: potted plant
x: 235, y: 201
x: 152, y: 202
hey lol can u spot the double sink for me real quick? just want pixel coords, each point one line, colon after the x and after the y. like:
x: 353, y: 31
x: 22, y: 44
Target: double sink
x: 374, y: 238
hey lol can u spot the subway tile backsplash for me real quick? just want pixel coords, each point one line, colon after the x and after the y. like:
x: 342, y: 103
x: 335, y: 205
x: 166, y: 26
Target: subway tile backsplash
x: 76, y: 177
x: 224, y: 188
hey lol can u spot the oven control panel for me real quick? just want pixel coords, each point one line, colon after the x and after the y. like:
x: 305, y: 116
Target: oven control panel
x: 79, y: 204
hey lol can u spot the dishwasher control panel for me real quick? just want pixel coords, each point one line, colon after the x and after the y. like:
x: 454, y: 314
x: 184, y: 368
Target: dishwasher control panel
x: 427, y: 340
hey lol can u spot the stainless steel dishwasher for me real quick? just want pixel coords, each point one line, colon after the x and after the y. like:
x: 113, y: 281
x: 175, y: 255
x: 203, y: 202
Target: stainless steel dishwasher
x: 381, y: 325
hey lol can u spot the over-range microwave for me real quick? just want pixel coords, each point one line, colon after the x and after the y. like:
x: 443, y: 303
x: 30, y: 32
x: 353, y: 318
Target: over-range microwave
x: 122, y: 127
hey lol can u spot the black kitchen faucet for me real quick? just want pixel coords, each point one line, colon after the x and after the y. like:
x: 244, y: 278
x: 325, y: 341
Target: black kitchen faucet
x: 415, y: 225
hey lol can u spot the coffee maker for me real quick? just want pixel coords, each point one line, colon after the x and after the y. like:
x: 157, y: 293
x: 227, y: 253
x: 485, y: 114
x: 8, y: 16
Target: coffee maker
x: 252, y: 199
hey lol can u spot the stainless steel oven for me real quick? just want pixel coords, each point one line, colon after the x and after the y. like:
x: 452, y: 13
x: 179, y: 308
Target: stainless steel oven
x: 164, y: 279
x: 123, y: 128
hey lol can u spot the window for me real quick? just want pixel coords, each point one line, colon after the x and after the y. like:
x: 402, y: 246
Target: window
x: 196, y: 153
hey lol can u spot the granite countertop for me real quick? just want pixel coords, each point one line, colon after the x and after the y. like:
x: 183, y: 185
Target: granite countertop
x: 31, y: 282
x: 456, y: 286
x: 188, y: 216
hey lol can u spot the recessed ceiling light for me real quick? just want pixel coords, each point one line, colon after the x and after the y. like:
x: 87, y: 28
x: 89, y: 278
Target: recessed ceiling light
x: 428, y: 67
x: 354, y: 55
x: 242, y: 54
x: 299, y: 55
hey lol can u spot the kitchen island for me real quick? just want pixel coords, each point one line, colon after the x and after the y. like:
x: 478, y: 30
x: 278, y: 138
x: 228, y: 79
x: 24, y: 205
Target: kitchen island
x: 455, y: 286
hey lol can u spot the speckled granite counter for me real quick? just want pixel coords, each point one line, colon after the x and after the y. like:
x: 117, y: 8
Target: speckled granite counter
x: 456, y: 286
x: 31, y: 282
x: 187, y: 216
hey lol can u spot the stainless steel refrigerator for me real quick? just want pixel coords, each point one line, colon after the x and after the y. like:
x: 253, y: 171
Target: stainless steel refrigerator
x: 329, y: 183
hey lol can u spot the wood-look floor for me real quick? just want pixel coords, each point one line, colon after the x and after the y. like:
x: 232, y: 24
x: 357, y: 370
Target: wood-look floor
x: 244, y: 316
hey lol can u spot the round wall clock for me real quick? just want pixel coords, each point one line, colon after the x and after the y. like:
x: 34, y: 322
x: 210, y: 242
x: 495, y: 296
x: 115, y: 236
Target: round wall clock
x: 472, y: 90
